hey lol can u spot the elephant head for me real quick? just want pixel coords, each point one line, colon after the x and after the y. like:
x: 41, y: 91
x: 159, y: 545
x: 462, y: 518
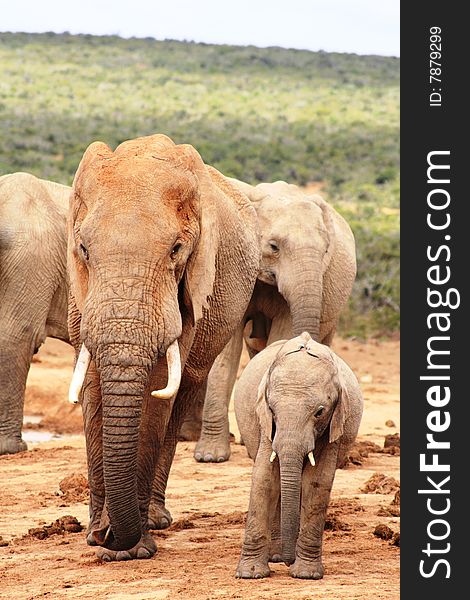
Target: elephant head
x: 142, y: 246
x: 301, y: 399
x: 297, y: 242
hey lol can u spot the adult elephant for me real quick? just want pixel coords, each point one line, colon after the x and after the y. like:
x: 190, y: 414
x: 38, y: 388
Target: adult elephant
x: 308, y: 267
x: 33, y: 287
x: 163, y: 254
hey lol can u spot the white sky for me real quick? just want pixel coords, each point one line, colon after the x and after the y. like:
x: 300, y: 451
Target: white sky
x: 360, y: 26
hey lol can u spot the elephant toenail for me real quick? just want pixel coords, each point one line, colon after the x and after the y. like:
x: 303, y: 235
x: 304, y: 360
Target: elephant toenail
x: 208, y: 458
x: 221, y: 459
x: 143, y: 553
x: 123, y: 555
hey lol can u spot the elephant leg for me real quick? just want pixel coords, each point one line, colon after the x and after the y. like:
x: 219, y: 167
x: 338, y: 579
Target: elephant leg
x: 192, y: 425
x: 265, y: 493
x: 15, y: 359
x: 330, y: 329
x: 214, y: 443
x: 93, y: 426
x: 316, y: 488
x: 158, y: 515
x: 275, y: 550
x: 281, y: 326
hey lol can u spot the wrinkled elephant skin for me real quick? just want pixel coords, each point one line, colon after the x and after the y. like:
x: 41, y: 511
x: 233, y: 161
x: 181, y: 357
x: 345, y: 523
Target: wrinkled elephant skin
x: 308, y: 267
x: 33, y: 287
x: 155, y: 295
x: 298, y: 408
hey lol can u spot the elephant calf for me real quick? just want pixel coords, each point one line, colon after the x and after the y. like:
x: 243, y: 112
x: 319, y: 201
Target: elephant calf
x: 298, y: 408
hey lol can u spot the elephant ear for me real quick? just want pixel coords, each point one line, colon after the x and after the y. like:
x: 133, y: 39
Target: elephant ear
x: 94, y: 151
x: 341, y: 411
x: 263, y: 412
x: 201, y: 268
x: 77, y: 212
x: 82, y: 179
x: 329, y: 227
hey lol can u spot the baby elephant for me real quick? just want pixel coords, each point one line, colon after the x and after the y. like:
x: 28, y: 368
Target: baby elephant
x: 298, y: 408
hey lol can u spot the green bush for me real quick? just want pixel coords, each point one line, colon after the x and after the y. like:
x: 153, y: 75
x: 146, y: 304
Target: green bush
x: 256, y: 114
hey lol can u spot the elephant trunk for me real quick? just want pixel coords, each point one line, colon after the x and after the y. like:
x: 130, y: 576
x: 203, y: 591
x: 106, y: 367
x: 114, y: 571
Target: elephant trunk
x: 122, y: 390
x: 291, y: 464
x: 303, y: 292
x: 125, y: 342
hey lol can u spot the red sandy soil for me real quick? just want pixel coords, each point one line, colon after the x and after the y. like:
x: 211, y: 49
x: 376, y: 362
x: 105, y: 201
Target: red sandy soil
x: 198, y: 555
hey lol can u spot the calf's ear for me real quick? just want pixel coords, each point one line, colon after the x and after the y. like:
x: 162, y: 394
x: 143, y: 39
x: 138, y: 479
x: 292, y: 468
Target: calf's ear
x: 263, y: 412
x: 341, y: 411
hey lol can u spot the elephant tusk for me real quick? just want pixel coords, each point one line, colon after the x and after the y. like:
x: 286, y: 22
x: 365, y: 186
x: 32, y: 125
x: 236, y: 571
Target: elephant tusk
x: 78, y: 377
x: 107, y: 534
x: 174, y: 373
x: 272, y: 457
x: 311, y: 458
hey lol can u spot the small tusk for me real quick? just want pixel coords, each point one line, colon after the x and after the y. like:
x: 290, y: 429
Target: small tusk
x: 108, y: 531
x: 174, y: 373
x: 311, y: 458
x: 79, y: 374
x: 272, y: 457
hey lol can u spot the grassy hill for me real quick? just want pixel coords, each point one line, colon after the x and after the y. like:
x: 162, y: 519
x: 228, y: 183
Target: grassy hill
x: 256, y: 114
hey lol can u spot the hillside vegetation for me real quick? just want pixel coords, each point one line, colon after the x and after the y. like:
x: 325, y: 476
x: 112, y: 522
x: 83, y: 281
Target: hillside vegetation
x: 256, y: 114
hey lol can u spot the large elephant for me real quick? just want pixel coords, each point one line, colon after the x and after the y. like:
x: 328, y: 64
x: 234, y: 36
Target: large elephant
x: 298, y: 407
x: 163, y: 254
x: 308, y: 267
x: 33, y: 287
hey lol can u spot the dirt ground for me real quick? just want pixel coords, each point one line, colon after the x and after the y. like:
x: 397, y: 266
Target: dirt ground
x: 198, y: 555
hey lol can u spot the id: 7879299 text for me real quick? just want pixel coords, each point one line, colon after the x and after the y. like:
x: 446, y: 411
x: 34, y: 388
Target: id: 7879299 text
x: 435, y: 66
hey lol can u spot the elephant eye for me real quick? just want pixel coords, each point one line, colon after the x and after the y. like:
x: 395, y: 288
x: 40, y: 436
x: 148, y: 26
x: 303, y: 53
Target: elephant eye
x: 319, y: 411
x: 174, y: 251
x: 84, y: 252
x: 274, y: 247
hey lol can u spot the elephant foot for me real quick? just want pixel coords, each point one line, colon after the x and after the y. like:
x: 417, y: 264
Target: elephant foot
x: 99, y: 519
x: 212, y: 449
x: 189, y: 432
x: 252, y: 568
x: 306, y: 569
x: 90, y: 540
x: 12, y: 445
x: 275, y: 552
x: 159, y: 517
x: 145, y: 548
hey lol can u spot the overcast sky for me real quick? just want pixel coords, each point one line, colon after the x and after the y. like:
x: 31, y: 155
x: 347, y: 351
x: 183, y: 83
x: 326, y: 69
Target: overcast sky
x: 360, y: 26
